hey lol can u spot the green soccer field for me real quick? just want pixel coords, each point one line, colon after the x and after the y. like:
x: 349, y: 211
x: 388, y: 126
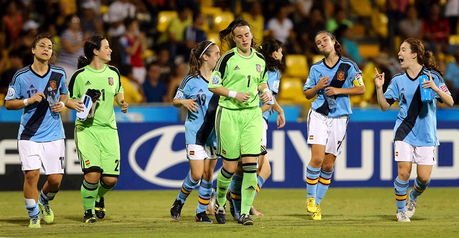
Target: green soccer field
x: 356, y: 212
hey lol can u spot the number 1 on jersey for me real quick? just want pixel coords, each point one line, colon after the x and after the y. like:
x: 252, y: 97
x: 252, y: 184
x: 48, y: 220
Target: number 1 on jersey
x: 248, y: 80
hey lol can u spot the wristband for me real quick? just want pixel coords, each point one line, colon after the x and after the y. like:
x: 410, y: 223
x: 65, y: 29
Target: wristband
x: 62, y: 103
x: 25, y: 102
x: 232, y: 94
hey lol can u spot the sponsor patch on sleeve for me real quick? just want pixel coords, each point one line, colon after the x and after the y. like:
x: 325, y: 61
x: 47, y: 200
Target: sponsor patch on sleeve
x: 179, y: 95
x: 215, y: 80
x: 11, y: 92
x: 444, y: 88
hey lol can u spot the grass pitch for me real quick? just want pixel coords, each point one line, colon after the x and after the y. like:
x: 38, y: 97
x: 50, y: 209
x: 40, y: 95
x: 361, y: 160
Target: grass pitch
x: 346, y: 212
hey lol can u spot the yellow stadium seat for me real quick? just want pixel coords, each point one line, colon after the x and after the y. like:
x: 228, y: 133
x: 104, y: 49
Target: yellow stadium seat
x: 379, y: 23
x: 454, y: 39
x: 291, y: 92
x: 361, y: 8
x: 222, y: 20
x: 296, y: 66
x: 367, y: 51
x: 164, y: 18
x: 206, y: 3
x: 317, y: 58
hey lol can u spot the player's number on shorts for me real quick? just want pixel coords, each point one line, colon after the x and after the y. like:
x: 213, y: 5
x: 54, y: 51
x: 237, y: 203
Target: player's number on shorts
x: 117, y: 162
x: 201, y: 99
x: 248, y: 80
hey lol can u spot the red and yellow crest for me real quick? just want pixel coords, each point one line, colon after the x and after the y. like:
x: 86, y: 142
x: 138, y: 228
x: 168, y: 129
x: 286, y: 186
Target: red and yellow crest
x: 258, y: 66
x: 110, y: 81
x: 340, y: 75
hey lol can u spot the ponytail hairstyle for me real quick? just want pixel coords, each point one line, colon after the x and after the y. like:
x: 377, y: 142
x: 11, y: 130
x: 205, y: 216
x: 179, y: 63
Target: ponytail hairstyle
x: 91, y: 44
x: 227, y: 33
x: 196, y: 59
x: 337, y: 45
x: 425, y: 57
x: 49, y: 37
x: 266, y: 49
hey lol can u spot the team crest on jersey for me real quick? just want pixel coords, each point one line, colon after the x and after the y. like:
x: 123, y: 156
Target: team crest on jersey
x: 110, y: 81
x: 215, y: 80
x: 340, y: 75
x: 53, y: 84
x: 10, y: 92
x: 258, y: 66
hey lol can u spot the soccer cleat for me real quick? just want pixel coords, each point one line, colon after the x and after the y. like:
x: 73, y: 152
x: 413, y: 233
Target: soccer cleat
x: 220, y: 213
x: 410, y: 205
x: 254, y: 212
x: 176, y: 209
x: 89, y: 217
x: 99, y: 208
x: 210, y: 207
x: 245, y: 220
x: 48, y: 214
x: 311, y: 204
x: 402, y: 217
x: 202, y: 217
x: 234, y: 212
x: 317, y: 215
x: 35, y: 222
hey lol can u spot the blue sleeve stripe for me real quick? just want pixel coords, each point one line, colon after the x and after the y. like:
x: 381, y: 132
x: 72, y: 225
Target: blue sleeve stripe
x: 347, y: 60
x: 185, y: 81
x: 18, y: 73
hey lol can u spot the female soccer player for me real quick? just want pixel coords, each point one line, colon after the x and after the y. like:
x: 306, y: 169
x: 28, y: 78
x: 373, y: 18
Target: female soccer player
x: 96, y: 136
x: 332, y: 79
x: 239, y: 76
x: 415, y: 131
x: 40, y: 90
x: 201, y: 143
x: 272, y: 51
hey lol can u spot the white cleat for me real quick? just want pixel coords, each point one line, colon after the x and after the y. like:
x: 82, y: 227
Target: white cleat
x: 402, y: 217
x: 410, y: 205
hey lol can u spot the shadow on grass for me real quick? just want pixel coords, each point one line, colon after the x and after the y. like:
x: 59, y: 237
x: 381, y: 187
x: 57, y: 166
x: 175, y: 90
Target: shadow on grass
x: 16, y: 221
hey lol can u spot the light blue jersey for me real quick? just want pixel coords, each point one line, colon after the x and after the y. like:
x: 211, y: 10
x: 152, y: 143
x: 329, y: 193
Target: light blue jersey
x: 199, y: 126
x: 273, y: 84
x: 416, y: 122
x: 38, y: 123
x: 344, y: 74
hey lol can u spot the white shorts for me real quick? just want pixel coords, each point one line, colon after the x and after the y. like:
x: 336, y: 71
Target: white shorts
x: 47, y: 155
x: 199, y: 152
x: 265, y: 131
x: 328, y: 131
x: 423, y: 155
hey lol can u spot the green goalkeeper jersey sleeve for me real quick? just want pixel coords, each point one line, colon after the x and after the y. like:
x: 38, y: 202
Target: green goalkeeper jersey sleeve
x: 241, y: 74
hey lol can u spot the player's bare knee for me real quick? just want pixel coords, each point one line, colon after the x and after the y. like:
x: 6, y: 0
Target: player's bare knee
x: 109, y: 181
x: 32, y: 176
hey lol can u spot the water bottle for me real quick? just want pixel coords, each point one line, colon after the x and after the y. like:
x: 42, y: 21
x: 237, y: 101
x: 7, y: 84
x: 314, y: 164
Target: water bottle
x: 426, y: 93
x: 51, y: 97
x: 331, y: 102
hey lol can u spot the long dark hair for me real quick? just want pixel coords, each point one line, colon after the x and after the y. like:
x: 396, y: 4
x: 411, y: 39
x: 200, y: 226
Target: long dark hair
x: 425, y: 57
x: 266, y: 49
x: 196, y: 54
x: 337, y: 45
x: 93, y: 42
x: 223, y: 34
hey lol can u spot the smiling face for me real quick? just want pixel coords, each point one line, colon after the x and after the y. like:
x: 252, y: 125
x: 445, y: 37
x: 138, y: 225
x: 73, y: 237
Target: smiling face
x: 43, y: 50
x: 324, y: 43
x: 405, y: 56
x: 105, y: 52
x: 243, y: 38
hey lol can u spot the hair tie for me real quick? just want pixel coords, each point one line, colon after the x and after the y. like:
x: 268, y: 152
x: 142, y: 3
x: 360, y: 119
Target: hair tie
x: 194, y: 48
x: 84, y: 56
x: 261, y: 47
x: 205, y: 50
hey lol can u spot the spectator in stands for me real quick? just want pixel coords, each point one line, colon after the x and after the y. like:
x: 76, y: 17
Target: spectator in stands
x: 281, y: 28
x: 340, y: 17
x: 25, y: 42
x: 452, y: 14
x: 194, y: 34
x: 11, y: 24
x: 133, y: 44
x: 6, y: 77
x: 436, y: 30
x: 181, y: 70
x: 411, y: 26
x: 173, y: 39
x: 130, y: 85
x: 72, y: 41
x: 166, y: 64
x: 256, y: 19
x: 91, y: 21
x: 452, y: 77
x: 153, y: 88
x: 315, y: 23
x: 350, y: 48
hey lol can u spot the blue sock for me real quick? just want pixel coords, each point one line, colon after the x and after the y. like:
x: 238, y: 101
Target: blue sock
x: 32, y: 207
x: 187, y: 187
x: 45, y: 198
x: 312, y: 178
x: 205, y: 191
x: 236, y: 184
x: 324, y: 183
x: 401, y: 187
x: 260, y: 182
x: 419, y: 188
